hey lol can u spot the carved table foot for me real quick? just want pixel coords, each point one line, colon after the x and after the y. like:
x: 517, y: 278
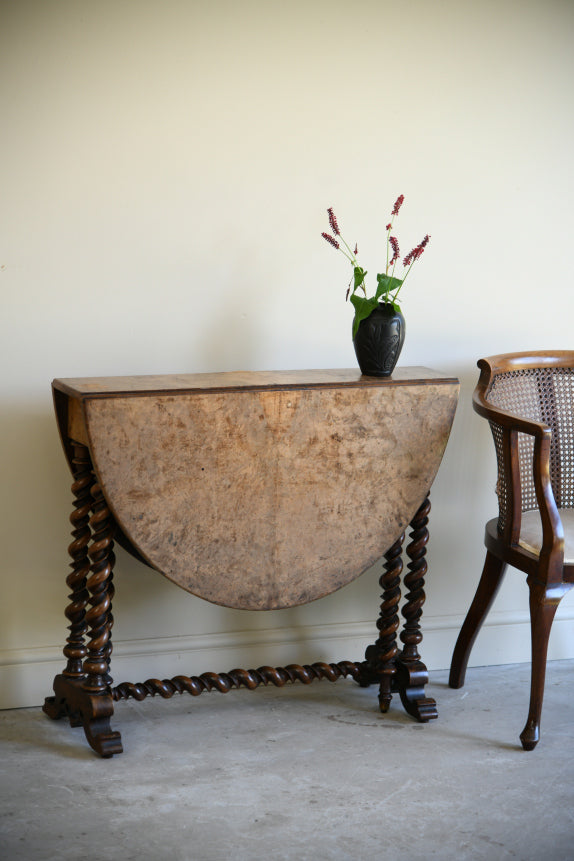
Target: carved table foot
x: 410, y: 681
x: 92, y: 711
x: 58, y: 706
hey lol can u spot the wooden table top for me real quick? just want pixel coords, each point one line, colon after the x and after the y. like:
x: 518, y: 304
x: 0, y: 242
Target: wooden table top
x: 261, y: 490
x: 81, y: 387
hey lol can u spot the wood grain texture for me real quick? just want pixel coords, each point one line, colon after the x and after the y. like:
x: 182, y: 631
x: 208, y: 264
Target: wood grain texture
x: 266, y: 494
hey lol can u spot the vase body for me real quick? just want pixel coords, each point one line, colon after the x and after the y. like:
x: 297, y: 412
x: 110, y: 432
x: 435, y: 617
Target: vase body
x: 379, y: 341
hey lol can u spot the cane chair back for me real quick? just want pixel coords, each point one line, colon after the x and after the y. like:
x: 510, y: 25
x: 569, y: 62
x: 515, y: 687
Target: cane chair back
x: 546, y: 396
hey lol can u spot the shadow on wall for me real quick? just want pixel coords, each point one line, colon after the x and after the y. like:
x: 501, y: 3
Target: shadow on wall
x: 34, y: 494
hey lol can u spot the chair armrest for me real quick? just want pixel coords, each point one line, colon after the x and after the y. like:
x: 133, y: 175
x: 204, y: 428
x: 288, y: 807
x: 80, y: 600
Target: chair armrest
x: 552, y: 530
x: 552, y: 551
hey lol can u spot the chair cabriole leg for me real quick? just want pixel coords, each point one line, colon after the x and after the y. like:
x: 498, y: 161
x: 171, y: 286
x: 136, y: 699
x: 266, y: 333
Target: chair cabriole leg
x: 544, y: 602
x: 492, y: 576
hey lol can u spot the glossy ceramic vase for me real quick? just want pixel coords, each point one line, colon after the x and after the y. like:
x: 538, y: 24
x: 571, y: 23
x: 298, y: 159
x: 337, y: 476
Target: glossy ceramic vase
x: 379, y: 341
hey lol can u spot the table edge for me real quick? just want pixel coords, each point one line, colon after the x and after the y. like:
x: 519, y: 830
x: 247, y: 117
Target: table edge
x: 84, y: 388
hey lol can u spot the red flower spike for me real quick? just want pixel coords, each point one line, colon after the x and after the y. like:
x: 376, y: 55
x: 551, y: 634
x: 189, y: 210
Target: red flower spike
x: 416, y: 252
x: 392, y: 251
x: 398, y: 203
x: 333, y: 222
x: 330, y: 239
x: 421, y: 247
x: 395, y: 246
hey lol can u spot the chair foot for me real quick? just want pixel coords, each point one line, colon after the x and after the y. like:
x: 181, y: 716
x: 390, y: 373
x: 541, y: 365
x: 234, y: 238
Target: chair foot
x: 530, y: 735
x: 544, y: 600
x: 456, y: 679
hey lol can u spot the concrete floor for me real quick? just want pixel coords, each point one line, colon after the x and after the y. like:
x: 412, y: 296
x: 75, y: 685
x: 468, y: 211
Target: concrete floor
x: 299, y: 773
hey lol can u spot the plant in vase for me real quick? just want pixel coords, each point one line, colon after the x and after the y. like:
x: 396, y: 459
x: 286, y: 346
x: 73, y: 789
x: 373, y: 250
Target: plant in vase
x: 378, y: 324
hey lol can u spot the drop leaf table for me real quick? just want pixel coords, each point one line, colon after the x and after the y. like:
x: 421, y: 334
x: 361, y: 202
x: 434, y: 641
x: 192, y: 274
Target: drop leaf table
x: 254, y: 490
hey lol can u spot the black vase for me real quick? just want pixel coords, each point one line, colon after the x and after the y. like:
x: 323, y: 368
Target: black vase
x: 379, y: 341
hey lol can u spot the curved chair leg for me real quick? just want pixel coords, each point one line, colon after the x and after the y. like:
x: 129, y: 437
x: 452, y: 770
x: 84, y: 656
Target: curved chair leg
x: 492, y: 576
x: 544, y: 602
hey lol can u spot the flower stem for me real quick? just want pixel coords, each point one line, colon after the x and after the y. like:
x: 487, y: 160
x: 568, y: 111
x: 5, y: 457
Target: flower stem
x: 353, y: 259
x: 403, y: 281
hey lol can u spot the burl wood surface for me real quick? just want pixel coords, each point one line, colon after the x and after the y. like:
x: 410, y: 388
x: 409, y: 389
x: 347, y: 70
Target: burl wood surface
x: 263, y: 491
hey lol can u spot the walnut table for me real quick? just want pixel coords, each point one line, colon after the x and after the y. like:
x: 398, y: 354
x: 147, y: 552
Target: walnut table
x: 256, y: 491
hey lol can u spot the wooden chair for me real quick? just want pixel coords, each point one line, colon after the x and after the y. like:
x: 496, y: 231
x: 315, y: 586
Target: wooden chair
x: 528, y: 400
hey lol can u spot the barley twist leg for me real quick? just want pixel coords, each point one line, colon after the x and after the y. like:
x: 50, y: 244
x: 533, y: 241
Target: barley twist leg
x: 100, y: 585
x: 75, y: 648
x: 97, y: 702
x: 380, y: 658
x: 412, y: 675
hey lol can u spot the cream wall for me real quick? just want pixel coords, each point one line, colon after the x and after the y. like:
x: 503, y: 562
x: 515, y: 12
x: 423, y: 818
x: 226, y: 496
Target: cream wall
x: 165, y: 173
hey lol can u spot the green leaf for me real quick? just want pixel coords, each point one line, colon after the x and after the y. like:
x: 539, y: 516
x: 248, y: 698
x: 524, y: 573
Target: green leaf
x: 359, y: 276
x: 363, y: 309
x: 386, y: 284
